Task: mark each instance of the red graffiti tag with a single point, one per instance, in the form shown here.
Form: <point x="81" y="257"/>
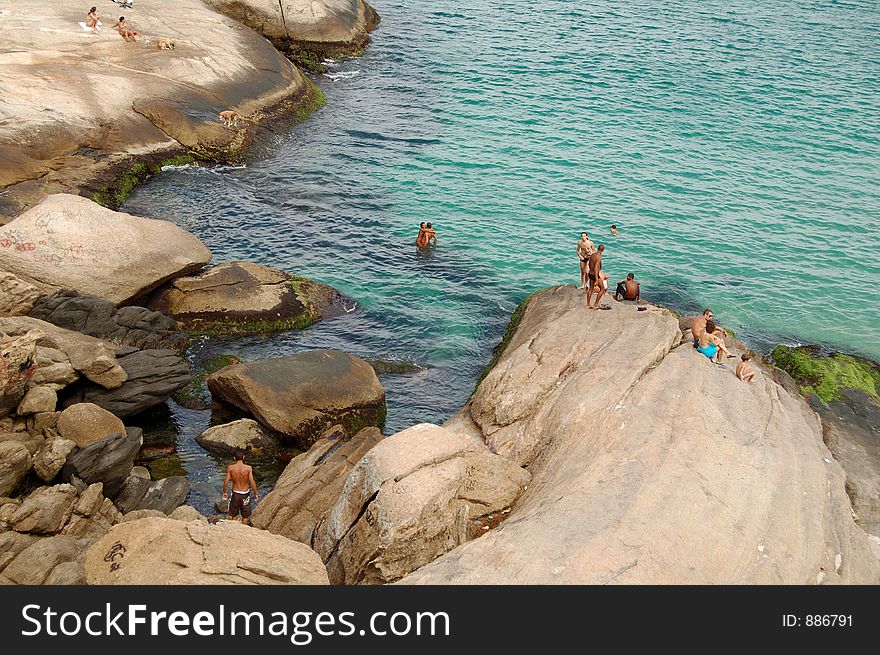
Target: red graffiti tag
<point x="5" y="243"/>
<point x="23" y="247"/>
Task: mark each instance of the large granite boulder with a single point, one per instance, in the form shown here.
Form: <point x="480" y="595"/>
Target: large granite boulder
<point x="311" y="484"/>
<point x="85" y="355"/>
<point x="74" y="243"/>
<point x="153" y="376"/>
<point x="241" y="297"/>
<point x="86" y="423"/>
<point x="411" y="498"/>
<point x="75" y="98"/>
<point x="302" y="395"/>
<point x="17" y="366"/>
<point x="852" y="431"/>
<point x="16" y="296"/>
<point x="650" y="464"/>
<point x="133" y="326"/>
<point x="109" y="460"/>
<point x="15" y="462"/>
<point x="243" y="435"/>
<point x="165" y="551"/>
<point x="328" y="26"/>
<point x="37" y="400"/>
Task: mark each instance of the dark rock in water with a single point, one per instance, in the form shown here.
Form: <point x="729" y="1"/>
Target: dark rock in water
<point x="153" y="376"/>
<point x="109" y="460"/>
<point x="851" y="428"/>
<point x="127" y="326"/>
<point x="196" y="395"/>
<point x="164" y="495"/>
<point x="302" y="395"/>
<point x="386" y="367"/>
<point x="151" y="452"/>
<point x="247" y="298"/>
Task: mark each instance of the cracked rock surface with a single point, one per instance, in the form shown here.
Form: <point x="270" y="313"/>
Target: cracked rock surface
<point x="650" y="464"/>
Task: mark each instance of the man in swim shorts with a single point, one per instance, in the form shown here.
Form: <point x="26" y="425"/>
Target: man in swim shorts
<point x="699" y="324"/>
<point x="594" y="278"/>
<point x="585" y="248"/>
<point x="242" y="477"/>
<point x="629" y="289"/>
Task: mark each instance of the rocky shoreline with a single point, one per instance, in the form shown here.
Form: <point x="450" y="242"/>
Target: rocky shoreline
<point x="597" y="447"/>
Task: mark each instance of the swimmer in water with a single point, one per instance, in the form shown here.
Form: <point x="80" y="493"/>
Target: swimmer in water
<point x="614" y="230"/>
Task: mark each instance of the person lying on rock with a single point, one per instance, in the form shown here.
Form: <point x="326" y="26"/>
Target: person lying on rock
<point x="743" y="371"/>
<point x="628" y="289"/>
<point x="242" y="477"/>
<point x="124" y="32"/>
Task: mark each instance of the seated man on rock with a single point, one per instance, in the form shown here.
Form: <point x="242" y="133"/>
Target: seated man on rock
<point x="699" y="325"/>
<point x="628" y="289"/>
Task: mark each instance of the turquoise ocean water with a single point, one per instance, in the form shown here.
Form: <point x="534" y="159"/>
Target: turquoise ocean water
<point x="735" y="144"/>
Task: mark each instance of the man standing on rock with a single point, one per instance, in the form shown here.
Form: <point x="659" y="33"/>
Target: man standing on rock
<point x="595" y="279"/>
<point x="242" y="477"/>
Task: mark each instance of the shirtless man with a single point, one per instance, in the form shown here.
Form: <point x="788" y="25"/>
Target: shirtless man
<point x="585" y="248"/>
<point x="422" y="238"/>
<point x="743" y="371"/>
<point x="242" y="477"/>
<point x="430" y="234"/>
<point x="594" y="278"/>
<point x="699" y="325"/>
<point x="629" y="289"/>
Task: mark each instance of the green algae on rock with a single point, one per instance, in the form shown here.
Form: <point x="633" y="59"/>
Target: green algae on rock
<point x="195" y="395"/>
<point x="826" y="375"/>
<point x="498" y="351"/>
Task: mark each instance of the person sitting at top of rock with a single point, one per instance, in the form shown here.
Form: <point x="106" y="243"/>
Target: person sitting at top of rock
<point x="711" y="345"/>
<point x="124" y="32"/>
<point x="699" y="324"/>
<point x="743" y="371"/>
<point x="93" y="20"/>
<point x="242" y="477"/>
<point x="628" y="289"/>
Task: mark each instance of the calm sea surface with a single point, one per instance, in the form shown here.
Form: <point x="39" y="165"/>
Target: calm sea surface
<point x="735" y="144"/>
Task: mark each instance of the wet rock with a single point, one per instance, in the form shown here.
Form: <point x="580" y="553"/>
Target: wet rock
<point x="242" y="297"/>
<point x="165" y="551"/>
<point x="133" y="326"/>
<point x="311" y="484"/>
<point x="302" y="395"/>
<point x="109" y="460"/>
<point x="244" y="435"/>
<point x="411" y="498"/>
<point x="15" y="462"/>
<point x="152" y="377"/>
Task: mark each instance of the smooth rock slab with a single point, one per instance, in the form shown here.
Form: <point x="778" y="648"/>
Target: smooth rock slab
<point x="165" y="551"/>
<point x="302" y="395"/>
<point x="410" y="499"/>
<point x="70" y="242"/>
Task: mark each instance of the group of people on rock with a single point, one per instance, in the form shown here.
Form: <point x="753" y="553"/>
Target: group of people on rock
<point x="594" y="279"/>
<point x="709" y="341"/>
<point x="93" y="22"/>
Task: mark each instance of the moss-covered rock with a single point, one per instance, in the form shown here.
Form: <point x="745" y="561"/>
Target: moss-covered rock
<point x="196" y="395"/>
<point x="826" y="375"/>
<point x="114" y="193"/>
<point x="515" y="318"/>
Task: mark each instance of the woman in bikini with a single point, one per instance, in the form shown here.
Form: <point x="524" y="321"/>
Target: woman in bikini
<point x="93" y="20"/>
<point x="124" y="32"/>
<point x="711" y="345"/>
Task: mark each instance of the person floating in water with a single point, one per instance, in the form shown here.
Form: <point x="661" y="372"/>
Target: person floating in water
<point x="585" y="248"/>
<point x="743" y="371"/>
<point x="628" y="289"/>
<point x="595" y="279"/>
<point x="242" y="477"/>
<point x="614" y="230"/>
